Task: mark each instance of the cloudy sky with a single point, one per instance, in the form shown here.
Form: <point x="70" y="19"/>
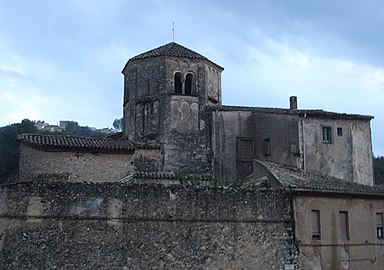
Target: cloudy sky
<point x="61" y="60"/>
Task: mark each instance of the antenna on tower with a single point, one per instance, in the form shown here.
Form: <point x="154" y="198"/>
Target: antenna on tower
<point x="173" y="31"/>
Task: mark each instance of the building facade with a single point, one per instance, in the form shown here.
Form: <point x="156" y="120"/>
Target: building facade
<point x="307" y="199"/>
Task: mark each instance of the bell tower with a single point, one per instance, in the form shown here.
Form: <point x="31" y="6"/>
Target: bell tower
<point x="168" y="94"/>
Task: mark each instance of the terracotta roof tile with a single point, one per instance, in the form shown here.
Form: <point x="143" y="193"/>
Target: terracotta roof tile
<point x="299" y="180"/>
<point x="78" y="143"/>
<point x="307" y="113"/>
<point x="172" y="50"/>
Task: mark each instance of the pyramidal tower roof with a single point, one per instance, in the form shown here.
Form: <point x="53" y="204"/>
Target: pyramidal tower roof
<point x="170" y="49"/>
<point x="173" y="50"/>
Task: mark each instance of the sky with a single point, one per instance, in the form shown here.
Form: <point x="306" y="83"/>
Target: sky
<point x="62" y="60"/>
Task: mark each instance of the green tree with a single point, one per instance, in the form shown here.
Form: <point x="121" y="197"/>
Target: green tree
<point x="118" y="124"/>
<point x="378" y="167"/>
<point x="72" y="127"/>
<point x="9" y="147"/>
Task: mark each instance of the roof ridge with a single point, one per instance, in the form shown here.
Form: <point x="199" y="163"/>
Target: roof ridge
<point x="76" y="142"/>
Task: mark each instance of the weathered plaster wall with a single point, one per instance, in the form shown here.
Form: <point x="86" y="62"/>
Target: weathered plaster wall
<point x="348" y="157"/>
<point x="362" y="251"/>
<point x="282" y="131"/>
<point x="72" y="166"/>
<point x="117" y="226"/>
<point x="362" y="152"/>
<point x="227" y="126"/>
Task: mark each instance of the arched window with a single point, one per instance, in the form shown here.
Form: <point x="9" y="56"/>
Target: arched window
<point x="178" y="84"/>
<point x="188" y="84"/>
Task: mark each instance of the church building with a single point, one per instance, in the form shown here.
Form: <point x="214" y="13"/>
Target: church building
<point x="174" y="121"/>
<point x="306" y="176"/>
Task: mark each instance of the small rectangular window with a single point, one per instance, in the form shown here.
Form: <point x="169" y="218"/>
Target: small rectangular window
<point x="267" y="147"/>
<point x="379" y="225"/>
<point x="315" y="224"/>
<point x="344" y="225"/>
<point x="327" y="135"/>
<point x="339" y="131"/>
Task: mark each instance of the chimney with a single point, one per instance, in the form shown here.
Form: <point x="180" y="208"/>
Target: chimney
<point x="293" y="103"/>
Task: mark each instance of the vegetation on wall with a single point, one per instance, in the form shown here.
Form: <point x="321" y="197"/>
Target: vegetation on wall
<point x="9" y="147"/>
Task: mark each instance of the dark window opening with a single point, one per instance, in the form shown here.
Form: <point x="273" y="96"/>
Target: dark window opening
<point x="267" y="147"/>
<point x="245" y="155"/>
<point x="339" y="131"/>
<point x="379" y="225"/>
<point x="344" y="225"/>
<point x="315" y="224"/>
<point x="178" y="84"/>
<point x="188" y="84"/>
<point x="327" y="135"/>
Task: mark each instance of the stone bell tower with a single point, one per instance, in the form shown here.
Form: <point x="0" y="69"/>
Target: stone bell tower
<point x="168" y="94"/>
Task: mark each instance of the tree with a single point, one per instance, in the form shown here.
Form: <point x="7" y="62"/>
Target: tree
<point x="118" y="124"/>
<point x="72" y="127"/>
<point x="378" y="167"/>
<point x="9" y="147"/>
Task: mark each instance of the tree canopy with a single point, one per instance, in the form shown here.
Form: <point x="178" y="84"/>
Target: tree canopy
<point x="118" y="124"/>
<point x="9" y="148"/>
<point x="378" y="165"/>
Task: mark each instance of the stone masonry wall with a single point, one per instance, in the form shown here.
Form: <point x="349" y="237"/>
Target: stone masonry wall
<point x="71" y="166"/>
<point x="120" y="226"/>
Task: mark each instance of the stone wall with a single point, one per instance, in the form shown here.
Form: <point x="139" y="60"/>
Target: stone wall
<point x="119" y="226"/>
<point x="73" y="166"/>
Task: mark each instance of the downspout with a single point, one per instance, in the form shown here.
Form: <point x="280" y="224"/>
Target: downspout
<point x="295" y="243"/>
<point x="303" y="142"/>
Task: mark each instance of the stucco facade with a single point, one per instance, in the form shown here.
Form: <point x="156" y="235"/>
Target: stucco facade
<point x="361" y="250"/>
<point x="338" y="224"/>
<point x="241" y="134"/>
<point x="347" y="155"/>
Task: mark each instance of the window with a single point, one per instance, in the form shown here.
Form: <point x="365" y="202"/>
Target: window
<point x="245" y="149"/>
<point x="178" y="84"/>
<point x="315" y="224"/>
<point x="188" y="84"/>
<point x="379" y="225"/>
<point x="267" y="147"/>
<point x="339" y="131"/>
<point x="344" y="225"/>
<point x="184" y="87"/>
<point x="327" y="135"/>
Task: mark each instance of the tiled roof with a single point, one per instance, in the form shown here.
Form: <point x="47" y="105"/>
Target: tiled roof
<point x="171" y="49"/>
<point x="325" y="114"/>
<point x="307" y="113"/>
<point x="255" y="109"/>
<point x="299" y="180"/>
<point x="78" y="143"/>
